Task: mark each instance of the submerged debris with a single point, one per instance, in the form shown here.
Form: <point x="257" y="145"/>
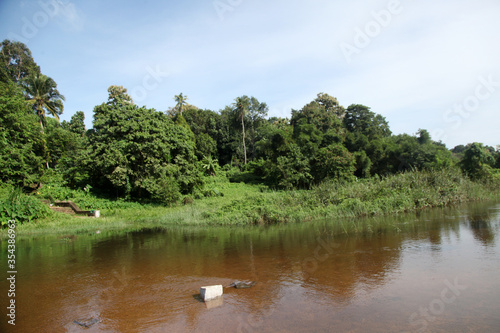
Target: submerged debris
<point x="242" y="284"/>
<point x="87" y="323"/>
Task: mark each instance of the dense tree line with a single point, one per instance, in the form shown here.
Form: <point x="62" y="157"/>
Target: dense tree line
<point x="138" y="153"/>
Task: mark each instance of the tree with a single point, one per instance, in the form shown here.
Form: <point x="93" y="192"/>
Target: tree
<point x="330" y="104"/>
<point x="61" y="143"/>
<point x="22" y="147"/>
<point x="16" y="62"/>
<point x="141" y="153"/>
<point x="209" y="164"/>
<point x="291" y="170"/>
<point x="424" y="136"/>
<point x="73" y="163"/>
<point x="404" y="152"/>
<point x="359" y="119"/>
<point x="181" y="101"/>
<point x="322" y="115"/>
<point x="242" y="105"/>
<point x="367" y="137"/>
<point x="77" y="123"/>
<point x="206" y="126"/>
<point x="318" y="124"/>
<point x="118" y="96"/>
<point x="497" y="157"/>
<point x="241" y="119"/>
<point x="333" y="162"/>
<point x="477" y="161"/>
<point x="41" y="92"/>
<point x="272" y="138"/>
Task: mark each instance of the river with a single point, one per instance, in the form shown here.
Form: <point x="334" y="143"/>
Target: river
<point x="435" y="271"/>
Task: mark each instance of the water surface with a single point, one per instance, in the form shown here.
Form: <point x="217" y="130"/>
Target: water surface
<point x="436" y="271"/>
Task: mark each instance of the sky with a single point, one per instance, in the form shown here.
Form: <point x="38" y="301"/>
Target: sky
<point x="428" y="64"/>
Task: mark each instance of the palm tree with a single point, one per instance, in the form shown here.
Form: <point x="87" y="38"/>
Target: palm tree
<point x="242" y="105"/>
<point x="41" y="91"/>
<point x="208" y="163"/>
<point x="181" y="101"/>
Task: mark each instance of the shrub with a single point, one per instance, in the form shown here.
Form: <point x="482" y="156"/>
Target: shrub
<point x="21" y="208"/>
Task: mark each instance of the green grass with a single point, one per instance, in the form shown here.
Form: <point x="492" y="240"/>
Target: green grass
<point x="244" y="204"/>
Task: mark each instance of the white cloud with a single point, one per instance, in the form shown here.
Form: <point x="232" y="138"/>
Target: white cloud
<point x="71" y="17"/>
<point x="285" y="52"/>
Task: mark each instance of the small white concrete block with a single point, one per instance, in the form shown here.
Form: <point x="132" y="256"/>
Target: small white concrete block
<point x="97" y="213"/>
<point x="210" y="292"/>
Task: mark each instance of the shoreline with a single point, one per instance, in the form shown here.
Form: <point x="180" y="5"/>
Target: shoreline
<point x="248" y="205"/>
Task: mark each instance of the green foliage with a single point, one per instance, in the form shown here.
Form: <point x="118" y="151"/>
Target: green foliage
<point x="209" y="165"/>
<point x="363" y="164"/>
<point x="136" y="153"/>
<point x="41" y="92"/>
<point x="16" y="62"/>
<point x="76" y="124"/>
<point x="206" y="127"/>
<point x="60" y="142"/>
<point x="205" y="146"/>
<point x="273" y="137"/>
<point x="359" y="119"/>
<point x="22" y="145"/>
<point x="21" y="208"/>
<point x="404" y="152"/>
<point x="241" y="122"/>
<point x="181" y="101"/>
<point x="140" y="153"/>
<point x="477" y="161"/>
<point x="117" y="95"/>
<point x="70" y="150"/>
<point x="323" y="114"/>
<point x="291" y="170"/>
<point x="333" y="162"/>
<point x="53" y="189"/>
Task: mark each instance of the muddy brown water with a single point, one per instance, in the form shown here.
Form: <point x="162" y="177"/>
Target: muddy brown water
<point x="437" y="271"/>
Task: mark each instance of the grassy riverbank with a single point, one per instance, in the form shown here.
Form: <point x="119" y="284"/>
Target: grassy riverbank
<point x="244" y="204"/>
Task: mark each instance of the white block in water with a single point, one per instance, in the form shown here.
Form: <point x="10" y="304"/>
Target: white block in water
<point x="210" y="292"/>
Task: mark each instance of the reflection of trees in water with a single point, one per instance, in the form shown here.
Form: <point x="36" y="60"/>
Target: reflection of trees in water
<point x="359" y="262"/>
<point x="482" y="228"/>
<point x="149" y="278"/>
<point x="484" y="222"/>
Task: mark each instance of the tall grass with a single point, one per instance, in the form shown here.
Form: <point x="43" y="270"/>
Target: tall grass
<point x="399" y="193"/>
<point x="243" y="204"/>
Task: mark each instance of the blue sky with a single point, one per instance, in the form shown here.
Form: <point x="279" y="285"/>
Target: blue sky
<point x="431" y="64"/>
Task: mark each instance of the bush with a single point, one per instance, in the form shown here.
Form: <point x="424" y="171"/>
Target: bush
<point x="21" y="208"/>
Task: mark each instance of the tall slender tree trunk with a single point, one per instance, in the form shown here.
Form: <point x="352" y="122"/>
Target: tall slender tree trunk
<point x="43" y="132"/>
<point x="244" y="145"/>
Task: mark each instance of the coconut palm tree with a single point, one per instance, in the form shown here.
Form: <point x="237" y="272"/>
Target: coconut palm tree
<point x="181" y="101"/>
<point x="242" y="106"/>
<point x="41" y="91"/>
